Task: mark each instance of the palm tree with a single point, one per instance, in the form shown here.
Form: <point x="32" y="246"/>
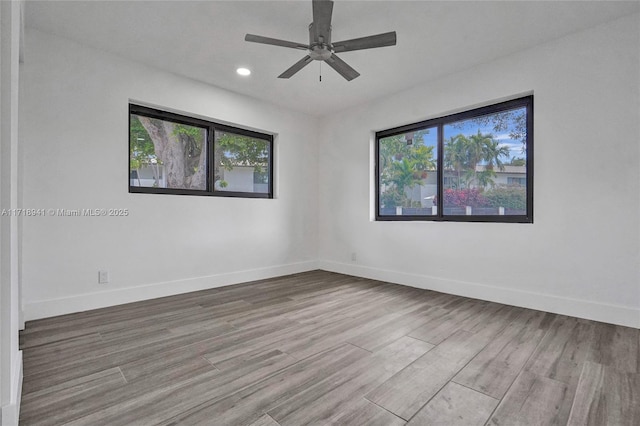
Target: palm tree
<point x="404" y="174"/>
<point x="403" y="166"/>
<point x="466" y="153"/>
<point x="476" y="153"/>
<point x="493" y="152"/>
<point x="518" y="161"/>
<point x="455" y="155"/>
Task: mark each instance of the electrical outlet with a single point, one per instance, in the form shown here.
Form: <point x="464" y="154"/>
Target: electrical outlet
<point x="353" y="256"/>
<point x="103" y="277"/>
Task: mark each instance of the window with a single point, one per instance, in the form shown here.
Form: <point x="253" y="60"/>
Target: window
<point x="474" y="166"/>
<point x="238" y="158"/>
<point x="408" y="178"/>
<point x="175" y="154"/>
<point x="516" y="181"/>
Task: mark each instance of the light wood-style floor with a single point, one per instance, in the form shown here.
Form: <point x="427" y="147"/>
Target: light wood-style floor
<point x="323" y="348"/>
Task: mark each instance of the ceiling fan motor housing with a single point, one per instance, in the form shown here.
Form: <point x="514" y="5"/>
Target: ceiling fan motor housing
<point x="319" y="44"/>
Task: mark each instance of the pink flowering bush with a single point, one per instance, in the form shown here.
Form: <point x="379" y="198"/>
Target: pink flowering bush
<point x="464" y="197"/>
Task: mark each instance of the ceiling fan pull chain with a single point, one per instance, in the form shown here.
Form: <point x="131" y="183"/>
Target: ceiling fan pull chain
<point x="320" y="71"/>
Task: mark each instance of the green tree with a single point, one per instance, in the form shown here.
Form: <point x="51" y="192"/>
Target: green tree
<point x="455" y="156"/>
<point x="403" y="166"/>
<point x="141" y="149"/>
<point x="518" y="161"/>
<point x="476" y="152"/>
<point x="405" y="174"/>
<point x="181" y="150"/>
<point x="513" y="121"/>
<point x="234" y="150"/>
<point x="465" y="154"/>
<point x="510" y="197"/>
<point x="493" y="153"/>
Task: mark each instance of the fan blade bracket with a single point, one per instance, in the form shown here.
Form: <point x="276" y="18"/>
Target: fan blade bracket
<point x="318" y="37"/>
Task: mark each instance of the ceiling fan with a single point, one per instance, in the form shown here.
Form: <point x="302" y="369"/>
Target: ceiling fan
<point x="320" y="47"/>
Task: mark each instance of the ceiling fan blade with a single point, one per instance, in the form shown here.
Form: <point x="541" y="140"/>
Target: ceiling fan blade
<point x="342" y="67"/>
<point x="296" y="67"/>
<point x="322" y="10"/>
<point x="275" y="42"/>
<point x="378" y="40"/>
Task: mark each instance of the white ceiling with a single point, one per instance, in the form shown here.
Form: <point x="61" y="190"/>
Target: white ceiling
<point x="205" y="40"/>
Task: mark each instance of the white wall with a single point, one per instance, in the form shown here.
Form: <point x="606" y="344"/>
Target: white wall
<point x="74" y="112"/>
<point x="10" y="356"/>
<point x="575" y="259"/>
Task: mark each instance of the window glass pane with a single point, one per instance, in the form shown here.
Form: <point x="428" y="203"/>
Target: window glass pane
<point x="485" y="165"/>
<point x="241" y="163"/>
<point x="165" y="154"/>
<point x="408" y="173"/>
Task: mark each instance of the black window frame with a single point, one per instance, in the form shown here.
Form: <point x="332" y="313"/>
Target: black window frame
<point x="440" y="122"/>
<point x="211" y="128"/>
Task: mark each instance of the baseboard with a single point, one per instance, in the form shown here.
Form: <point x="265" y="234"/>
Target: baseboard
<point x="84" y="302"/>
<point x="11" y="411"/>
<point x="613" y="314"/>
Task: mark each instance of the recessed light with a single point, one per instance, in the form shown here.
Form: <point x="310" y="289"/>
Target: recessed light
<point x="243" y="71"/>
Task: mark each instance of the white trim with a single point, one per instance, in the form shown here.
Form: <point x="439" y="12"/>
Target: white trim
<point x="11" y="411"/>
<point x="613" y="314"/>
<point x="83" y="302"/>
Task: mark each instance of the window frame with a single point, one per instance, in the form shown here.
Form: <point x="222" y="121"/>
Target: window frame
<point x="439" y="123"/>
<point x="211" y="128"/>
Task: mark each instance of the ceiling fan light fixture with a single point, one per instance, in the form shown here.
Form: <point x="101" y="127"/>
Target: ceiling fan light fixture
<point x="243" y="71"/>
